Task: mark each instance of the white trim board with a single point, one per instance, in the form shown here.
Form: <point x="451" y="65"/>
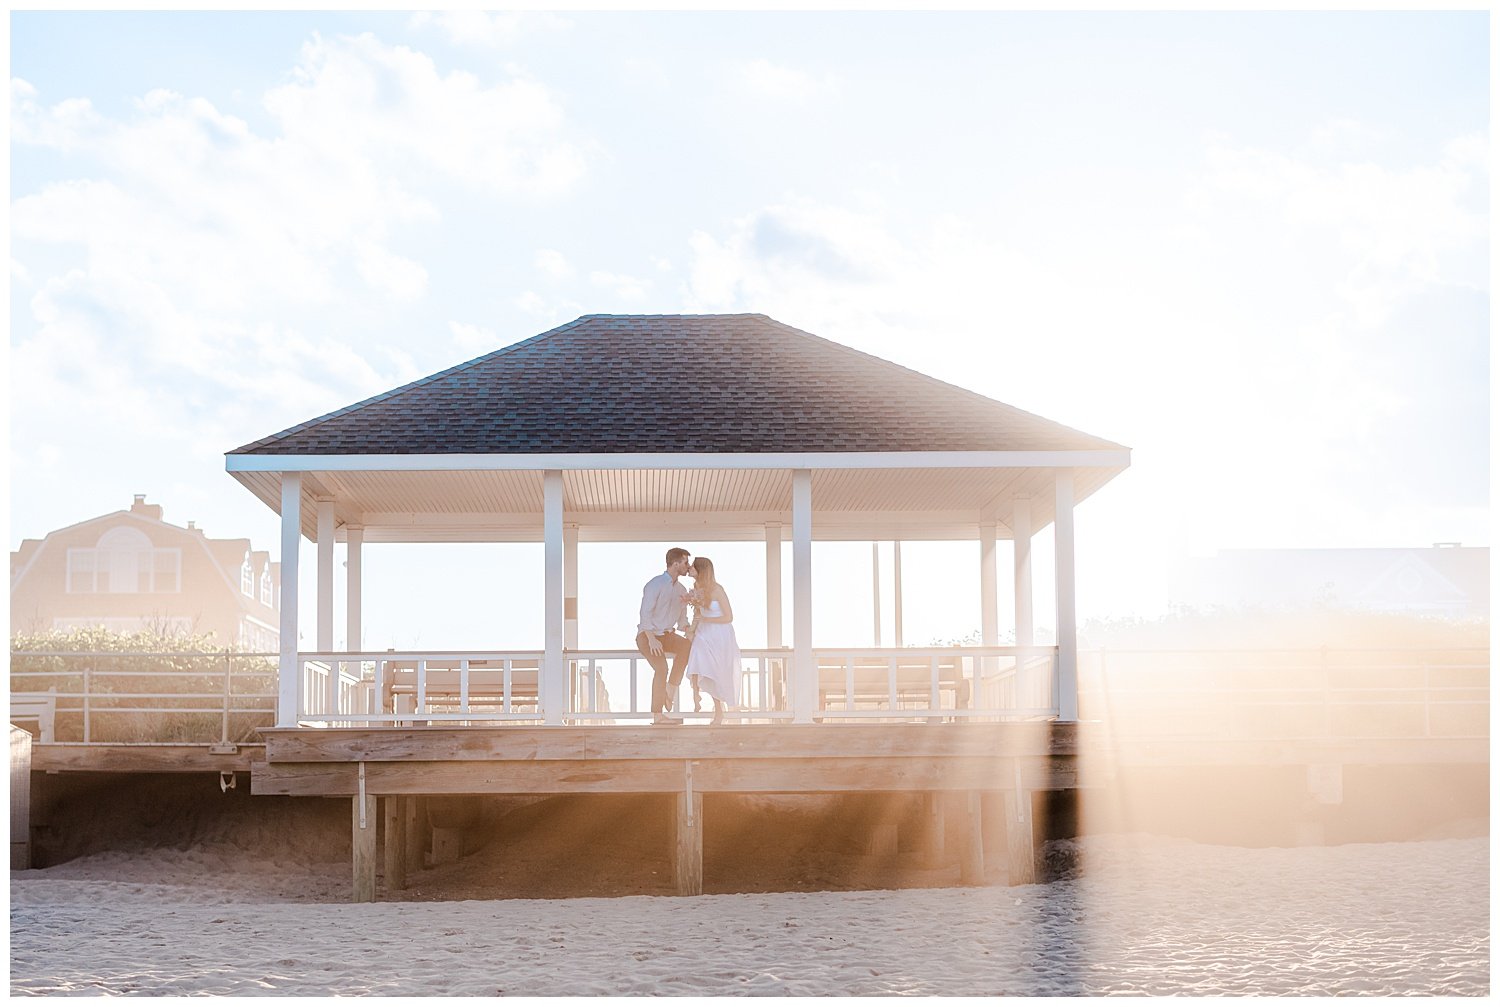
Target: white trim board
<point x="812" y="460"/>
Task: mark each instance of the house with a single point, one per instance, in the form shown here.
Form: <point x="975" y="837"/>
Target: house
<point x="130" y="570"/>
<point x="1447" y="580"/>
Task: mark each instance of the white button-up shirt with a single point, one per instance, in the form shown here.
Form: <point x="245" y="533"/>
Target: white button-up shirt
<point x="663" y="605"/>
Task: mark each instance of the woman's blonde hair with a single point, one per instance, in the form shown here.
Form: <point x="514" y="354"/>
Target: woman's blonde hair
<point x="703" y="577"/>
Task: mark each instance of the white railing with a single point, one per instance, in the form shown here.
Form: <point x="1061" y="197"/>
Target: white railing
<point x="1288" y="694"/>
<point x="194" y="698"/>
<point x="149" y="698"/>
<point x="957" y="683"/>
<point x="614" y="686"/>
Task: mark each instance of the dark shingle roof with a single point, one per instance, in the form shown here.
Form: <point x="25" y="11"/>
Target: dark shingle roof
<point x="611" y="384"/>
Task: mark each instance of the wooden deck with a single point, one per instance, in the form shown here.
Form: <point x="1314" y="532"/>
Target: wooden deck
<point x="385" y="771"/>
<point x="780" y="758"/>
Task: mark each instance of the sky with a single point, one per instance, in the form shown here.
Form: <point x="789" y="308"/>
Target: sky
<point x="1251" y="247"/>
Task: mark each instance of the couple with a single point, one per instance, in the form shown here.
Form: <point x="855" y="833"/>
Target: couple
<point x="709" y="653"/>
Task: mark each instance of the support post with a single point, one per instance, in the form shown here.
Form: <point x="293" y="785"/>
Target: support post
<point x="933" y="828"/>
<point x="413" y="817"/>
<point x="989" y="608"/>
<point x="570" y="587"/>
<point x="289" y="672"/>
<point x="1020" y="525"/>
<point x="554" y="672"/>
<point x="395" y="843"/>
<point x="1067" y="621"/>
<point x="773" y="585"/>
<point x="354" y="536"/>
<point x="896" y="616"/>
<point x="354" y="586"/>
<point x="687" y="853"/>
<point x="989" y="588"/>
<point x="1020" y="838"/>
<point x="364" y="844"/>
<point x="804" y="676"/>
<point x="325" y="574"/>
<point x="875" y="586"/>
<point x="971" y="864"/>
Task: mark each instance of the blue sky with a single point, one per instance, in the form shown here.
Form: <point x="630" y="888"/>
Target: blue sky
<point x="1253" y="247"/>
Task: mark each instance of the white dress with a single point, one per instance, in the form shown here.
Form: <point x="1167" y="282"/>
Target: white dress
<point x="715" y="657"/>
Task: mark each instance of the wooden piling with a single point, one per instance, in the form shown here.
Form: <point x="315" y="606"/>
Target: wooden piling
<point x="933" y="829"/>
<point x="971" y="862"/>
<point x="413" y="821"/>
<point x="395" y="842"/>
<point x="20" y="799"/>
<point x="1020" y="838"/>
<point x="364" y="847"/>
<point x="687" y="858"/>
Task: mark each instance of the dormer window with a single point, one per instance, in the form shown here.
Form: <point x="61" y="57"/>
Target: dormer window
<point x="267" y="594"/>
<point x="247" y="577"/>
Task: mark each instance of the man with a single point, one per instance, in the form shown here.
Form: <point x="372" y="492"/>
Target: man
<point x="663" y="610"/>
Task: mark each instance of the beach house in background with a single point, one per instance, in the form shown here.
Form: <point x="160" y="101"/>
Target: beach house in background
<point x="130" y="570"/>
<point x="1447" y="580"/>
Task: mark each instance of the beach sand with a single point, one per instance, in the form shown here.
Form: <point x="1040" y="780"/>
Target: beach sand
<point x="252" y="906"/>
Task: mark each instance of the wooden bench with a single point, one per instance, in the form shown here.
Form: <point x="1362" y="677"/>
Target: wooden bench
<point x="443" y="685"/>
<point x="872" y="682"/>
<point x="38" y="706"/>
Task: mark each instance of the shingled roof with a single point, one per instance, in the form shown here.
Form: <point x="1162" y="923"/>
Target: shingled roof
<point x="696" y="384"/>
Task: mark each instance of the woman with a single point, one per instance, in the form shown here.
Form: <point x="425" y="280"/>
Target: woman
<point x="714" y="663"/>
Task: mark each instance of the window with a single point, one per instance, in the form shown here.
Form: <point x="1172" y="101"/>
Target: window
<point x="267" y="594"/>
<point x="124" y="562"/>
<point x="81" y="572"/>
<point x="166" y="571"/>
<point x="247" y="577"/>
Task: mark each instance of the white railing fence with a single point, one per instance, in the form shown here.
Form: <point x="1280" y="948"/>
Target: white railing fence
<point x="1288" y="694"/>
<point x="185" y="698"/>
<point x="614" y="686"/>
<point x="147" y="698"/>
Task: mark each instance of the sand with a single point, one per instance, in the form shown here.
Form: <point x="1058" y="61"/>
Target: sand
<point x="1128" y="914"/>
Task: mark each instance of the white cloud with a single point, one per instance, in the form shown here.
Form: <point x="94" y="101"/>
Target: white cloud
<point x="1255" y="346"/>
<point x="554" y="264"/>
<point x="628" y="288"/>
<point x="390" y="274"/>
<point x="357" y="99"/>
<point x="489" y="29"/>
<point x="473" y="338"/>
<point x="772" y="80"/>
<point x="199" y="282"/>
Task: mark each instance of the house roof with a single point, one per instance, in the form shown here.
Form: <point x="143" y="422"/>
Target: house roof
<point x="692" y="384"/>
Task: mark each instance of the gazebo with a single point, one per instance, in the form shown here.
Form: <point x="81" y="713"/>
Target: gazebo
<point x="576" y="436"/>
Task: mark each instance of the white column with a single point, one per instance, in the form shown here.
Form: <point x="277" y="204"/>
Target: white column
<point x="989" y="589"/>
<point x="773" y="585"/>
<point x="291" y="537"/>
<point x="570" y="587"/>
<point x="325" y="574"/>
<point x="354" y="589"/>
<point x="554" y="673"/>
<point x="1067" y="622"/>
<point x="804" y="675"/>
<point x="1020" y="525"/>
<point x="896" y="595"/>
<point x="875" y="581"/>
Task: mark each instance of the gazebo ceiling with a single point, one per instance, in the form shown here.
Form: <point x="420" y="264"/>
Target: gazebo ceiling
<point x="675" y="426"/>
<point x="647" y="504"/>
